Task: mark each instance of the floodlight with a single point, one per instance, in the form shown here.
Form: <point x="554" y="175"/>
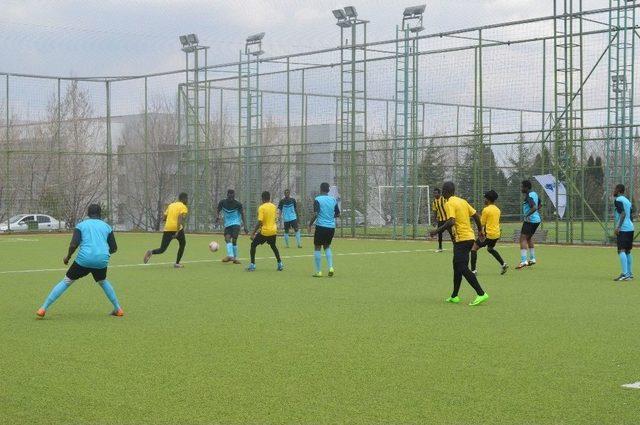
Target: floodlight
<point x="350" y="11"/>
<point x="414" y="10"/>
<point x="192" y="38"/>
<point x="339" y="14"/>
<point x="184" y="41"/>
<point x="255" y="38"/>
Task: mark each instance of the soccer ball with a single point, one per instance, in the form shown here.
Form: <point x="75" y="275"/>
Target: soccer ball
<point x="213" y="246"/>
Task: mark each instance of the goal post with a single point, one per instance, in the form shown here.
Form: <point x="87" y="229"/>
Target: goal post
<point x="393" y="201"/>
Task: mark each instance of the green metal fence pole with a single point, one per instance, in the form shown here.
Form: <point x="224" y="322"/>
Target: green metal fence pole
<point x="288" y="125"/>
<point x="364" y="137"/>
<point x="146" y="155"/>
<point x="7" y="150"/>
<point x="352" y="161"/>
<point x="544" y="92"/>
<point x="109" y="156"/>
<point x="59" y="152"/>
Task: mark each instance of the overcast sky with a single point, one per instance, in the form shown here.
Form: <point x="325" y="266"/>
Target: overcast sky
<point x="116" y="37"/>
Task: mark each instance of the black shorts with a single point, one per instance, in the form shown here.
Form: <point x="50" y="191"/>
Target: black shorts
<point x="76" y="271"/>
<point x="293" y="224"/>
<point x="491" y="243"/>
<point x="260" y="239"/>
<point x="232" y="231"/>
<point x="323" y="236"/>
<point x="529" y="229"/>
<point x="461" y="252"/>
<point x="625" y="240"/>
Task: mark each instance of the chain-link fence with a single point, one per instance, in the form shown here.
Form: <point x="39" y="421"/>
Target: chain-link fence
<point x="383" y="122"/>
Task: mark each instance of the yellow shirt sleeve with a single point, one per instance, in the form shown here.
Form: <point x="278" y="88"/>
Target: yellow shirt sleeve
<point x="451" y="212"/>
<point x="185" y="210"/>
<point x="261" y="214"/>
<point x="471" y="210"/>
<point x="483" y="218"/>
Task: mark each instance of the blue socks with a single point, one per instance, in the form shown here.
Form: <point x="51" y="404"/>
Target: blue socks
<point x="298" y="239"/>
<point x="317" y="257"/>
<point x="523" y="255"/>
<point x="286" y="240"/>
<point x="55" y="293"/>
<point x="110" y="293"/>
<point x="230" y="250"/>
<point x="624" y="263"/>
<point x="235" y="251"/>
<point x="532" y="254"/>
<point x="629" y="264"/>
<point x="329" y="255"/>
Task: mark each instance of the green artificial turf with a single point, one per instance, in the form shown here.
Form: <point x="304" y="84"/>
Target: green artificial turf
<point x="212" y="343"/>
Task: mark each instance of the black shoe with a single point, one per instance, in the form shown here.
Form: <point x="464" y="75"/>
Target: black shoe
<point x="505" y="267"/>
<point x="621" y="278"/>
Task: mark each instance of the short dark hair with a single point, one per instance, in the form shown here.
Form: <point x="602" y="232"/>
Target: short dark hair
<point x="491" y="195"/>
<point x="230" y="192"/>
<point x="436" y="190"/>
<point x="620" y="188"/>
<point x="94" y="210"/>
<point x="526" y="184"/>
<point x="449" y="187"/>
<point x="324" y="187"/>
<point x="183" y="197"/>
<point x="266" y="196"/>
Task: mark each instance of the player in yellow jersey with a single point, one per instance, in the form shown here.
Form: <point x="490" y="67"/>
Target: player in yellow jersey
<point x="490" y="221"/>
<point x="439" y="215"/>
<point x="174" y="217"/>
<point x="265" y="231"/>
<point x="459" y="214"/>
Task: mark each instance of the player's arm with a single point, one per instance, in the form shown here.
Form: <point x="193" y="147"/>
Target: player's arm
<point x="623" y="215"/>
<point x="218" y="214"/>
<point x="476" y="218"/>
<point x="111" y="241"/>
<point x="434" y="211"/>
<point x="244" y="221"/>
<point x="447" y="225"/>
<point x="533" y="207"/>
<point x="181" y="222"/>
<point x="336" y="211"/>
<point x="73" y="245"/>
<point x="314" y="216"/>
<point x="255" y="229"/>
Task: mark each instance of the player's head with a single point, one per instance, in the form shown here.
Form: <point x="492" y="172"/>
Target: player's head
<point x="619" y="190"/>
<point x="183" y="197"/>
<point x="490" y="197"/>
<point x="266" y="196"/>
<point x="448" y="189"/>
<point x="231" y="194"/>
<point x="287" y="192"/>
<point x="94" y="211"/>
<point x="526" y="186"/>
<point x="436" y="193"/>
<point x="324" y="187"/>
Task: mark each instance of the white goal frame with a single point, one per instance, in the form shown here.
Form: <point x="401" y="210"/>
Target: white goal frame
<point x="409" y="188"/>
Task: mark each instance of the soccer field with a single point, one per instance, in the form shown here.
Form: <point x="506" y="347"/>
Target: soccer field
<point x="211" y="343"/>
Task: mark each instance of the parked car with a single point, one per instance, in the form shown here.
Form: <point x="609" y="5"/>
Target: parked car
<point x="345" y="216"/>
<point x="24" y="222"/>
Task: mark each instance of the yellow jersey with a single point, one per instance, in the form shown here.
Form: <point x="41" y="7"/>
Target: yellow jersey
<point x="438" y="206"/>
<point x="267" y="216"/>
<point x="490" y="220"/>
<point x="461" y="212"/>
<point x="174" y="210"/>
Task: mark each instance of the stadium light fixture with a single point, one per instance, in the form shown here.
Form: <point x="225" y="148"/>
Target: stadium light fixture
<point x="343" y="19"/>
<point x="184" y="41"/>
<point x="189" y="42"/>
<point x="253" y="45"/>
<point x="412" y="18"/>
<point x="350" y="11"/>
<point x="339" y="14"/>
<point x="193" y="39"/>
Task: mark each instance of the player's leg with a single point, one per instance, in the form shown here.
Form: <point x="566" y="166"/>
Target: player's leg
<point x="474" y="255"/>
<point x="296" y="229"/>
<point x="74" y="273"/>
<point x="164" y="244"/>
<point x="182" y="241"/>
<point x="234" y="241"/>
<point x="622" y="255"/>
<point x="524" y="245"/>
<point x="327" y="249"/>
<point x="532" y="250"/>
<point x="440" y="238"/>
<point x="317" y="253"/>
<point x="491" y="249"/>
<point x="630" y="259"/>
<point x="100" y="276"/>
<point x="287" y="226"/>
<point x="271" y="241"/>
<point x="462" y="264"/>
<point x="258" y="240"/>
<point x="457" y="278"/>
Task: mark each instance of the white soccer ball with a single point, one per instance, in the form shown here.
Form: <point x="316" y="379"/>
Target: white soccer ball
<point x="213" y="246"/>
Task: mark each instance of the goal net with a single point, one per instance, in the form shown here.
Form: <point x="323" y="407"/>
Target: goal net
<point x="404" y="205"/>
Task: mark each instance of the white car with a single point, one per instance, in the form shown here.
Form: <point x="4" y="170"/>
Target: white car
<point x="24" y="222"/>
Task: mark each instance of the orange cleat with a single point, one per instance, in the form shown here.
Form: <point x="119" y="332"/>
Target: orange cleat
<point x="227" y="259"/>
<point x="117" y="313"/>
<point x="236" y="261"/>
<point x="40" y="313"/>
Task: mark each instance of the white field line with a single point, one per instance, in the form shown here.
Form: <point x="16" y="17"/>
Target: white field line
<point x="635" y="385"/>
<point x="405" y="251"/>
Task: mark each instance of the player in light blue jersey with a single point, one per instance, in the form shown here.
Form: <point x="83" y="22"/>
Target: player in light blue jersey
<point x="288" y="208"/>
<point x="233" y="215"/>
<point x="325" y="212"/>
<point x="624" y="232"/>
<point x="97" y="243"/>
<point x="532" y="219"/>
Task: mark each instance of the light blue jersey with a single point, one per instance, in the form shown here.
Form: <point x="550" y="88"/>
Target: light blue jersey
<point x="231" y="211"/>
<point x="287" y="207"/>
<point x="623" y="205"/>
<point x="94" y="248"/>
<point x="326" y="208"/>
<point x="535" y="217"/>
